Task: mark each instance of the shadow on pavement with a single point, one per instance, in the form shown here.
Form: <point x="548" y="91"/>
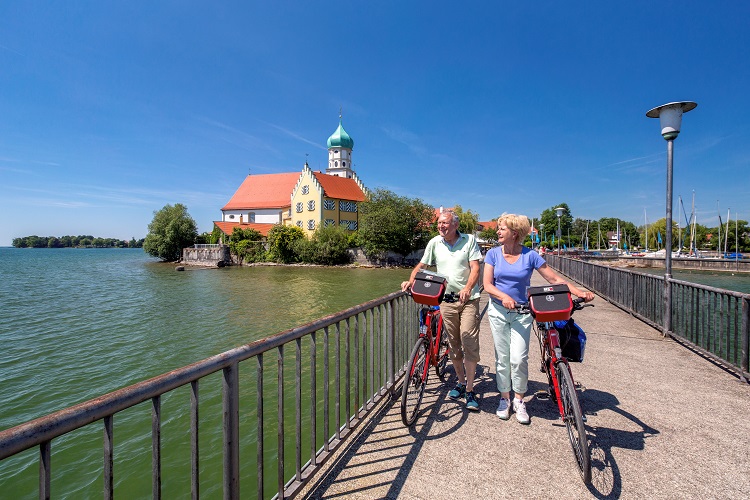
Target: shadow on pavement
<point x="606" y="481"/>
<point x="435" y="407"/>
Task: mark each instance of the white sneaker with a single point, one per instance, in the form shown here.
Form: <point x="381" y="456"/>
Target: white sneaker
<point x="519" y="407"/>
<point x="503" y="409"/>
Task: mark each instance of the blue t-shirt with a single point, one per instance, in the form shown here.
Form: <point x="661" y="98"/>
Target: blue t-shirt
<point x="513" y="279"/>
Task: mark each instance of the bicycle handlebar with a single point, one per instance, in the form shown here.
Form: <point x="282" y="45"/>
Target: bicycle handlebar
<point x="448" y="297"/>
<point x="578" y="304"/>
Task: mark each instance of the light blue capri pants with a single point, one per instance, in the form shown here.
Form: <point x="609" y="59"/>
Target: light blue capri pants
<point x="511" y="332"/>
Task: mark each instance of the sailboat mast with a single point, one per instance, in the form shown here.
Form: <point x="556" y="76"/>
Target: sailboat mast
<point x="726" y="233"/>
<point x="718" y="245"/>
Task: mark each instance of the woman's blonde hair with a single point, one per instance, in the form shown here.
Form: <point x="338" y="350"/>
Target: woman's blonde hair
<point x="518" y="223"/>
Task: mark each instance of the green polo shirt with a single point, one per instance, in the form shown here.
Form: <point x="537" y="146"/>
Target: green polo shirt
<point x="453" y="261"/>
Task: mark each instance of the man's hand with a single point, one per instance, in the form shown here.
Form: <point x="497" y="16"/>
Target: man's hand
<point x="464" y="295"/>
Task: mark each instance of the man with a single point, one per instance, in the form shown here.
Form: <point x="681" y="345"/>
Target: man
<point x="457" y="256"/>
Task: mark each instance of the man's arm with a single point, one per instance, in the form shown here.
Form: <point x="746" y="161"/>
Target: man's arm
<point x="465" y="293"/>
<point x="408" y="284"/>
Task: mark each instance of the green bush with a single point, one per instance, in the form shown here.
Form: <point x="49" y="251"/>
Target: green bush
<point x="281" y="242"/>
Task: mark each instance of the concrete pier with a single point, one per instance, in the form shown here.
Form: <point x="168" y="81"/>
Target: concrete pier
<point x="662" y="422"/>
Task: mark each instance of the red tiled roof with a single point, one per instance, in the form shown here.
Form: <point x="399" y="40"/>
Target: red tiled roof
<point x="489" y="224"/>
<point x="264" y="191"/>
<point x="228" y="227"/>
<point x="339" y="187"/>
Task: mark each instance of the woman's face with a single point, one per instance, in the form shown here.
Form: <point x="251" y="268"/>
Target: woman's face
<point x="506" y="235"/>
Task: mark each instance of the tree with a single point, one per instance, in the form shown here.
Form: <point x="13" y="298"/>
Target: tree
<point x="281" y="242"/>
<point x="171" y="230"/>
<point x="467" y="221"/>
<point x="489" y="234"/>
<point x="393" y="223"/>
<point x="328" y="246"/>
<point x="246" y="244"/>
<point x="549" y="219"/>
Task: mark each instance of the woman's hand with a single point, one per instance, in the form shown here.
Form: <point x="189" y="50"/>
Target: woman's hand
<point x="405" y="285"/>
<point x="508" y="302"/>
<point x="587" y="296"/>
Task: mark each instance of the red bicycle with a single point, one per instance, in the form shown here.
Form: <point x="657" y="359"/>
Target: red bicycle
<point x="431" y="349"/>
<point x="561" y="384"/>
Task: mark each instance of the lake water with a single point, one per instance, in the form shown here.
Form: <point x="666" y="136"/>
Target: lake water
<point x="78" y="323"/>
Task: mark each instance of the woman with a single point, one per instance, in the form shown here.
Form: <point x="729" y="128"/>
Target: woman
<point x="507" y="274"/>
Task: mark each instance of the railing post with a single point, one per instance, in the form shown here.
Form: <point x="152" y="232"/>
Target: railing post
<point x="745" y="334"/>
<point x="109" y="491"/>
<point x="231" y="397"/>
<point x="156" y="447"/>
<point x="391" y="348"/>
<point x="45" y="471"/>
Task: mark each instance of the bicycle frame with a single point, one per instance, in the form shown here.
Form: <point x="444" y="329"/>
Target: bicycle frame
<point x="549" y="341"/>
<point x="433" y="330"/>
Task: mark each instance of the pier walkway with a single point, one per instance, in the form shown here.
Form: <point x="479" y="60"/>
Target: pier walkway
<point x="663" y="422"/>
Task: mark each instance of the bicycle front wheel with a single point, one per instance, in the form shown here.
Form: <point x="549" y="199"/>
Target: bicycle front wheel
<point x="415" y="381"/>
<point x="574" y="421"/>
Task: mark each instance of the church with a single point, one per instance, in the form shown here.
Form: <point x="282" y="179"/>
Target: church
<point x="306" y="199"/>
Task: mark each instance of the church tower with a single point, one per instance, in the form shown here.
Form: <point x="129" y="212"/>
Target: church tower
<point x="340" y="147"/>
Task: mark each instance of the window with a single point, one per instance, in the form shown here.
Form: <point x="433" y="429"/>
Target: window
<point x="343" y="164"/>
<point x="336" y="164"/>
<point x="299" y="207"/>
<point x="299" y="223"/>
<point x="305" y="189"/>
<point x="347" y="206"/>
<point x="353" y="225"/>
<point x="290" y="211"/>
<point x="329" y="204"/>
<point x="311" y="224"/>
<point x="251" y="217"/>
<point x="311" y="205"/>
<point x="330" y="222"/>
<point x="231" y="216"/>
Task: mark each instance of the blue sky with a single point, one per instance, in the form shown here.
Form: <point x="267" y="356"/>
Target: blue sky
<point x="111" y="110"/>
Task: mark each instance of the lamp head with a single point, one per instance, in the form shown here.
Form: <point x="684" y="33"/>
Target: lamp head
<point x="560" y="211"/>
<point x="670" y="117"/>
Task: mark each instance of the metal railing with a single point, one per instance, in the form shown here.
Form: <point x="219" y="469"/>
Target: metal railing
<point x="363" y="353"/>
<point x="712" y="321"/>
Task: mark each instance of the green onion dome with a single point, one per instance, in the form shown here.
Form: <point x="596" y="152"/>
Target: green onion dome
<point x="340" y="139"/>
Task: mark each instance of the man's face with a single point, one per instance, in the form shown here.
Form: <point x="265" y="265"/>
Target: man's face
<point x="445" y="225"/>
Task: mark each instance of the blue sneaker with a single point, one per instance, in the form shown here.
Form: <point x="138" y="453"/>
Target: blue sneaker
<point x="457" y="392"/>
<point x="471" y="401"/>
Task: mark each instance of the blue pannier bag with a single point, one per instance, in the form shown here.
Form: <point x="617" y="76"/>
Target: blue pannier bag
<point x="572" y="340"/>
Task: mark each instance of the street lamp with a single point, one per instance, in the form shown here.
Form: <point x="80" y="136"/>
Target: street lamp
<point x="559" y="211"/>
<point x="670" y="119"/>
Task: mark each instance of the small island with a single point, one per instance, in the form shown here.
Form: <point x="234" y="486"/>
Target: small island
<point x="84" y="241"/>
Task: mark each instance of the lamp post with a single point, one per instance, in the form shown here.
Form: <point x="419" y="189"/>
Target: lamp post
<point x="670" y="119"/>
<point x="559" y="211"/>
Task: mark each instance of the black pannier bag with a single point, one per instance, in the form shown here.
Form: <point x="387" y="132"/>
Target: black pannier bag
<point x="572" y="340"/>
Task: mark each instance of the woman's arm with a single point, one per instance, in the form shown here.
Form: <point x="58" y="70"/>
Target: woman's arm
<point x="553" y="278"/>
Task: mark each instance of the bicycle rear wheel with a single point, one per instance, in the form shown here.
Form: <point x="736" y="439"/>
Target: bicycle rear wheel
<point x="574" y="421"/>
<point x="415" y="381"/>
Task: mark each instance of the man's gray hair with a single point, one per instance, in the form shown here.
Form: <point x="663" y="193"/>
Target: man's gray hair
<point x="454" y="216"/>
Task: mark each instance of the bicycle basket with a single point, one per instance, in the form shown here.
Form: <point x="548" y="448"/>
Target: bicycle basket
<point x="550" y="303"/>
<point x="428" y="289"/>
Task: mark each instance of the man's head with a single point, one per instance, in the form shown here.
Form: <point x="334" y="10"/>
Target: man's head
<point x="447" y="224"/>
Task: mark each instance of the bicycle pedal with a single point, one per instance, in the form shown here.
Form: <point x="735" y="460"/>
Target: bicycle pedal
<point x="542" y="395"/>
